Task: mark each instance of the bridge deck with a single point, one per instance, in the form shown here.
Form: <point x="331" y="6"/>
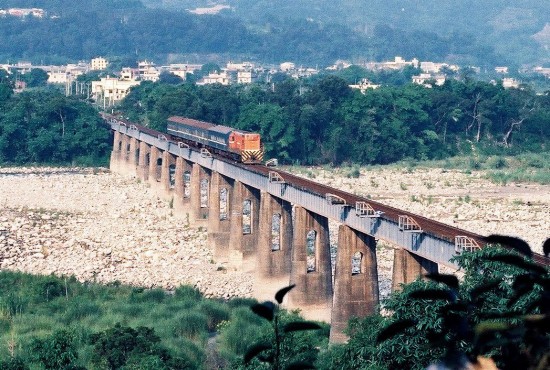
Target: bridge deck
<point x="434" y="241"/>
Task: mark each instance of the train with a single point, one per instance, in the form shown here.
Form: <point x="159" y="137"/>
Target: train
<point x="241" y="146"/>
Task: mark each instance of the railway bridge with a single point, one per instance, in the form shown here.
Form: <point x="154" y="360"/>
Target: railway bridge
<point x="276" y="225"/>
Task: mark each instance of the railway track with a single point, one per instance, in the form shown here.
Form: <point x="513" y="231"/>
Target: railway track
<point x="435" y="228"/>
<point x="429" y="226"/>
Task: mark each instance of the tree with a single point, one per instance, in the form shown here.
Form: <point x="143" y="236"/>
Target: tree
<point x="499" y="310"/>
<point x="169" y="78"/>
<point x="268" y="120"/>
<point x="281" y="350"/>
<point x="57" y="351"/>
<point x="35" y="78"/>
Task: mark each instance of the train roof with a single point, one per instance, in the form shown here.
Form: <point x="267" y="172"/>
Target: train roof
<point x="206" y="125"/>
<point x="222" y="129"/>
<point x="192" y="122"/>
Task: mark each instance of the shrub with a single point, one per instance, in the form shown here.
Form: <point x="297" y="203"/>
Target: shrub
<point x="186" y="292"/>
<point x="215" y="313"/>
<point x="191" y="325"/>
<point x="14" y="363"/>
<point x="498" y="163"/>
<point x="57" y="351"/>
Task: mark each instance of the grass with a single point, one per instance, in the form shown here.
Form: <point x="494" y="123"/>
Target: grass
<point x="34" y="307"/>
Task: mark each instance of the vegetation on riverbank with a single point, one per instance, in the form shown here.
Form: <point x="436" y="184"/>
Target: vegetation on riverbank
<point x="48" y="322"/>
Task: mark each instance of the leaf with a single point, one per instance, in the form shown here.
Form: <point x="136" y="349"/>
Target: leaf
<point x="509" y="241"/>
<point x="543" y="303"/>
<point x="517" y="261"/>
<point x="438" y="294"/>
<point x="538" y="322"/>
<point x="281" y="293"/>
<point x="491" y="327"/>
<point x="546" y="247"/>
<point x="255" y="350"/>
<point x="265" y="310"/>
<point x="394" y="328"/>
<point x="450" y="280"/>
<point x="484" y="288"/>
<point x="300" y="326"/>
<point x="299" y="365"/>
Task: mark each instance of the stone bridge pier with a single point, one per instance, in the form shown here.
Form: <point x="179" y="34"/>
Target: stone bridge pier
<point x="278" y="242"/>
<point x="311" y="266"/>
<point x="274" y="246"/>
<point x="355" y="280"/>
<point x="407" y="267"/>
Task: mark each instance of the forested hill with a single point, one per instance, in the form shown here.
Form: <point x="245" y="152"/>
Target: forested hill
<point x="166" y="32"/>
<point x="515" y="29"/>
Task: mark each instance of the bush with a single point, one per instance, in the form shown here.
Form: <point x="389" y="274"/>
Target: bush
<point x="191" y="325"/>
<point x="498" y="163"/>
<point x="147" y="295"/>
<point x="186" y="292"/>
<point x="14" y="363"/>
<point x="57" y="351"/>
<point x="215" y="313"/>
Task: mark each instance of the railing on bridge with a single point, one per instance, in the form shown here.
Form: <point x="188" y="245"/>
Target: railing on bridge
<point x="407" y="223"/>
<point x="465" y="243"/>
<point x="363" y="209"/>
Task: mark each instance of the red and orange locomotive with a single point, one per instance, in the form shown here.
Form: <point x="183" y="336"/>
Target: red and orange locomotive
<point x="243" y="146"/>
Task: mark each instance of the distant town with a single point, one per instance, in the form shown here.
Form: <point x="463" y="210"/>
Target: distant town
<point x="111" y="90"/>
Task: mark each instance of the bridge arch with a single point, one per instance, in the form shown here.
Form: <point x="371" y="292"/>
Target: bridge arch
<point x="311" y="250"/>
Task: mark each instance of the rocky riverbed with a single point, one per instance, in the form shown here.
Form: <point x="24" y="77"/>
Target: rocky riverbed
<point x="103" y="227"/>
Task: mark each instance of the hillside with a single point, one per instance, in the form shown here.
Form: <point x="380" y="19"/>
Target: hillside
<point x="305" y="32"/>
<point x="514" y="29"/>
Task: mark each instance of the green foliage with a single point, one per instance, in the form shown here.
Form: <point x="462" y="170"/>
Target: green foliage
<point x="283" y="349"/>
<point x="13" y="363"/>
<point x="322" y="121"/>
<point x="47" y="127"/>
<point x="58" y="351"/>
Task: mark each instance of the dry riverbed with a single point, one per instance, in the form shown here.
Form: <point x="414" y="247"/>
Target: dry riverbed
<point x="104" y="227"/>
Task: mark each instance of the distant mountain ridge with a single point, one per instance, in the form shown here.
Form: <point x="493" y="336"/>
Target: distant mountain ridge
<point x="468" y="32"/>
<point x="512" y="28"/>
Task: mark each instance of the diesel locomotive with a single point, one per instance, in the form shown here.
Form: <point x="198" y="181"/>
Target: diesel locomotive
<point x="242" y="146"/>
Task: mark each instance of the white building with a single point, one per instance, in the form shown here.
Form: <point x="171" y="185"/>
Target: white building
<point x="424" y="79"/>
<point x="364" y="85"/>
<point x="244" y="66"/>
<point x="181" y="70"/>
<point x="148" y="71"/>
<point x="287" y="66"/>
<point x="508" y="83"/>
<point x="110" y="91"/>
<point x="216" y="78"/>
<point x="99" y="64"/>
<point x="246" y="77"/>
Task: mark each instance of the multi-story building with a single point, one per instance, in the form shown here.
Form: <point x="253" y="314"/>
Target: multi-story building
<point x="110" y="91"/>
<point x="364" y="85"/>
<point x="509" y="83"/>
<point x="397" y="64"/>
<point x="425" y="79"/>
<point x="181" y="70"/>
<point x="99" y="64"/>
<point x="223" y="78"/>
<point x="148" y="71"/>
<point x="246" y="77"/>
